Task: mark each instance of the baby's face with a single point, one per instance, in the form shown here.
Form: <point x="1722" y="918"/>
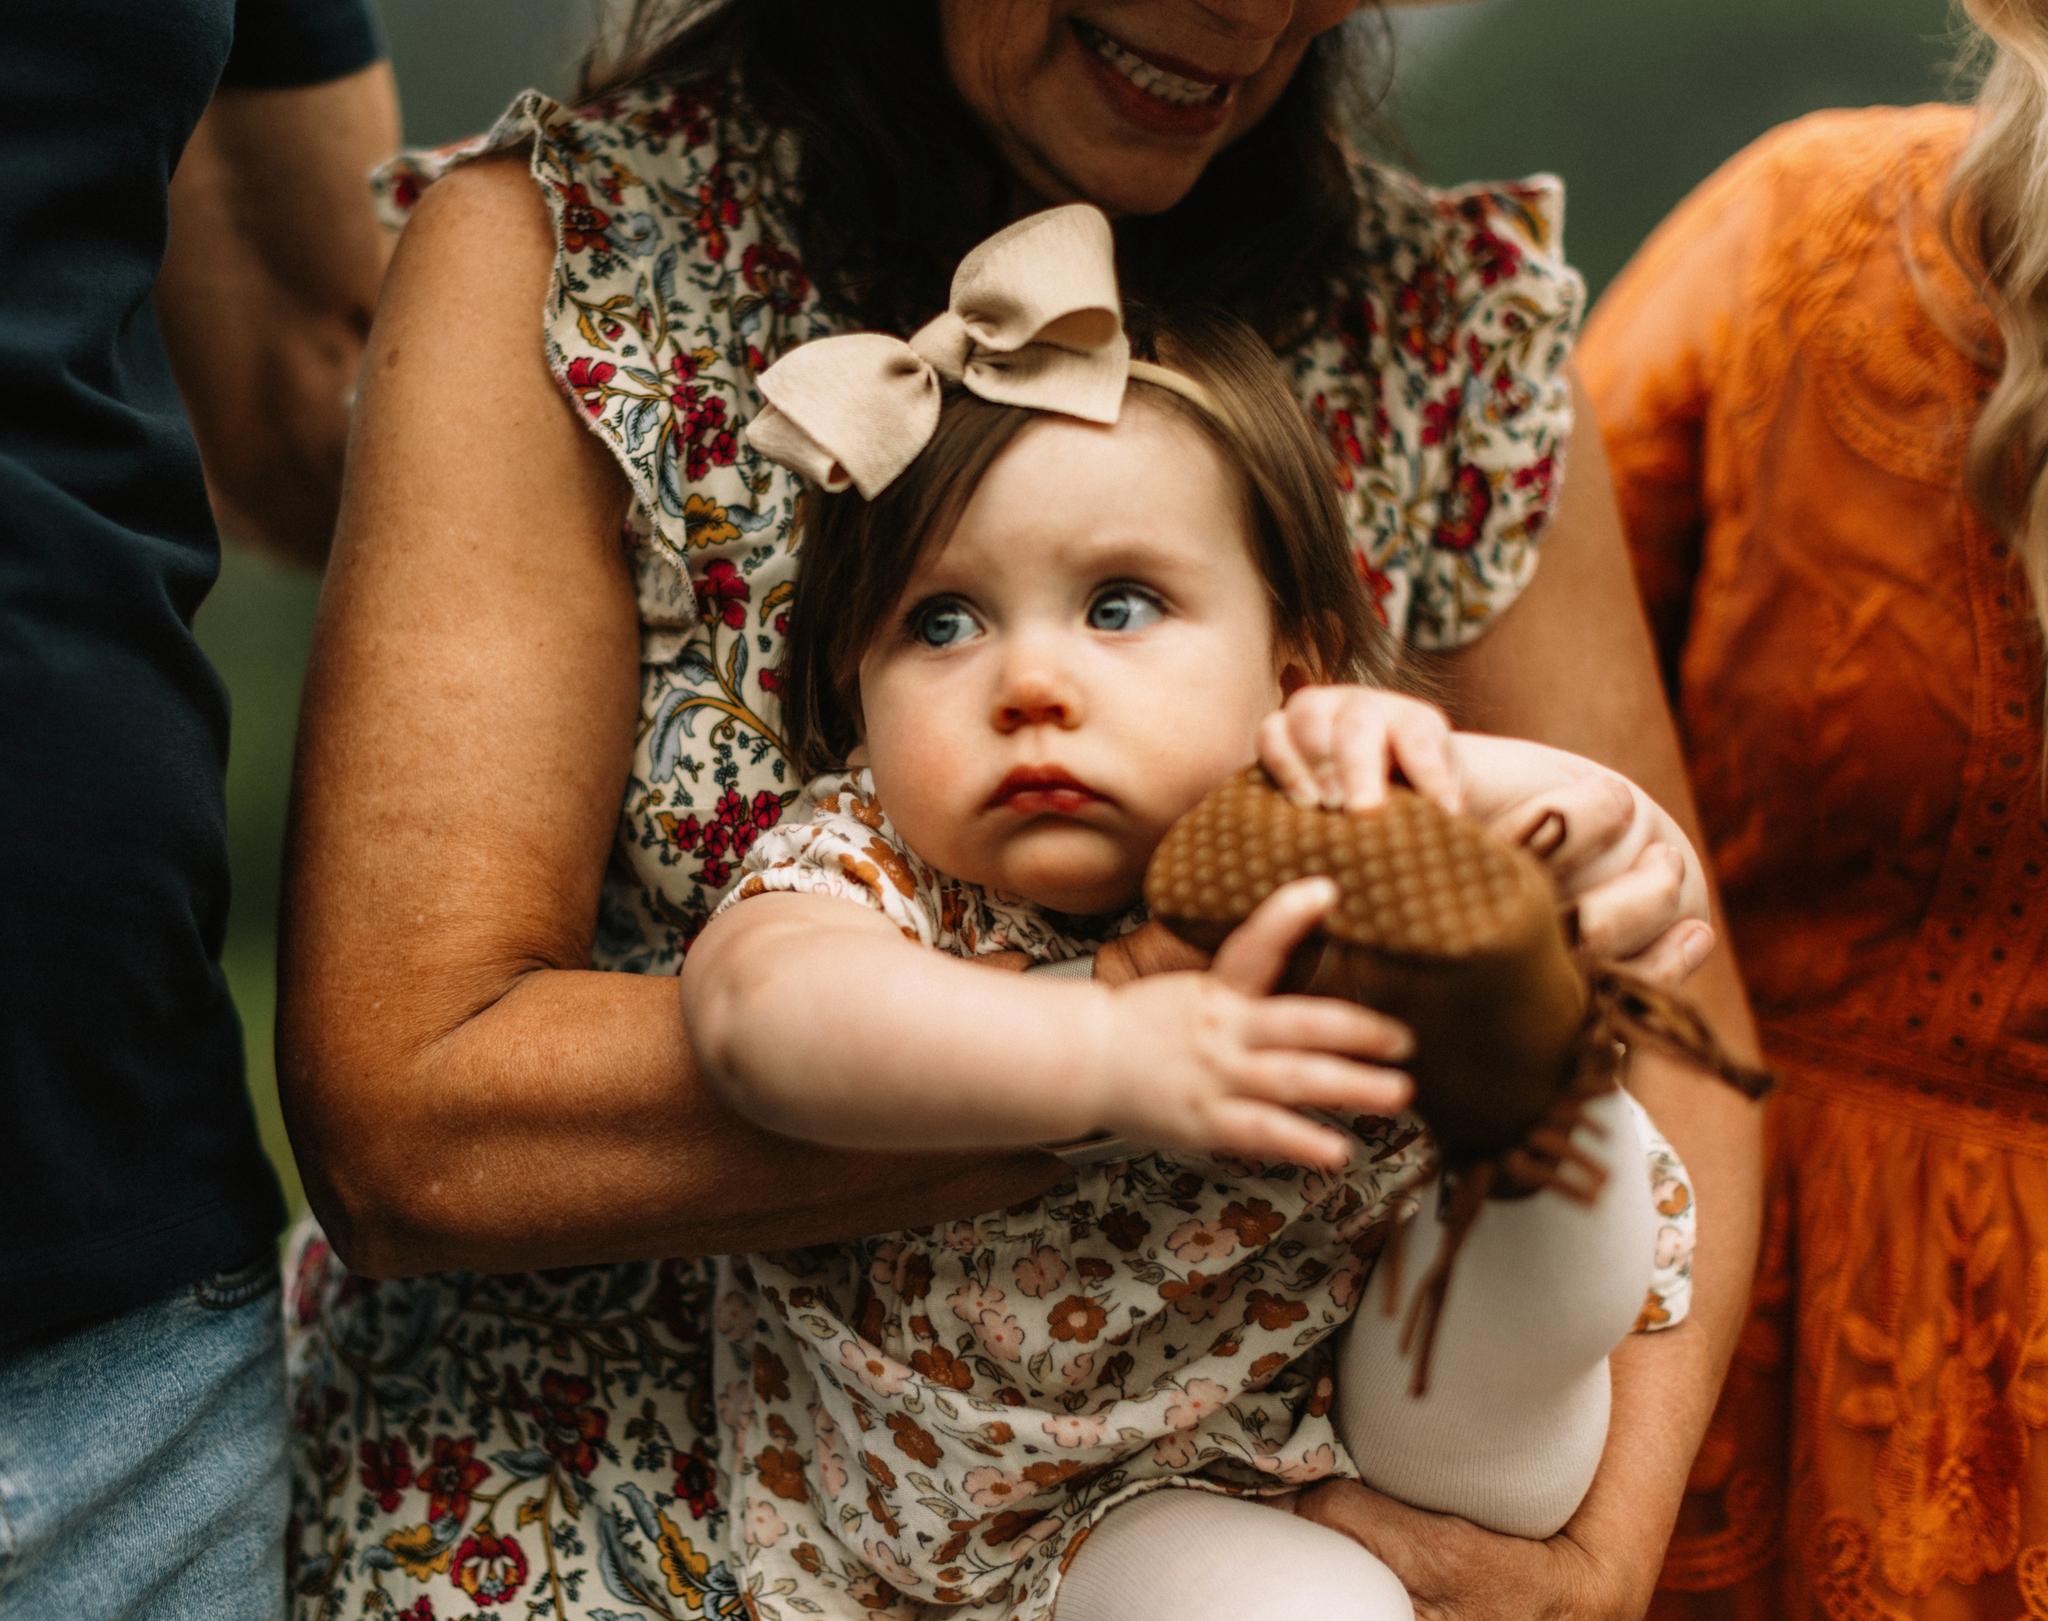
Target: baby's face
<point x="1087" y="654"/>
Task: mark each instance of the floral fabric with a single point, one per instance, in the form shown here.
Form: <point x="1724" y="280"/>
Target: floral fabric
<point x="547" y="1443"/>
<point x="944" y="1411"/>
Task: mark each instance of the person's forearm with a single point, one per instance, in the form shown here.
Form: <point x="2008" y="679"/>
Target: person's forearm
<point x="1665" y="1384"/>
<point x="270" y="273"/>
<point x="853" y="1037"/>
<point x="564" y="1124"/>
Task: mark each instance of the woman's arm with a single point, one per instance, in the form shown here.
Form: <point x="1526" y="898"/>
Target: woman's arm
<point x="1570" y="664"/>
<point x="462" y="1091"/>
<point x="815" y="1017"/>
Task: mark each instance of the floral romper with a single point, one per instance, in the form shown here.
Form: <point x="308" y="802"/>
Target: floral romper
<point x="564" y="1444"/>
<point x="938" y="1415"/>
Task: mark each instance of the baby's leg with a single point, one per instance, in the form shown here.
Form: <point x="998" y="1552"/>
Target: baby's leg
<point x="1183" y="1555"/>
<point x="1516" y="1415"/>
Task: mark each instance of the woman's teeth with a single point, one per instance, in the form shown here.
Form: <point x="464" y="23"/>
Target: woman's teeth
<point x="1154" y="81"/>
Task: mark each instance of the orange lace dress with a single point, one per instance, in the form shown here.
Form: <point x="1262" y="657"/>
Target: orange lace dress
<point x="1786" y="376"/>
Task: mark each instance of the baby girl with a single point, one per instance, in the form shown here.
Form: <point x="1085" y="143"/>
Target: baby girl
<point x="1051" y="596"/>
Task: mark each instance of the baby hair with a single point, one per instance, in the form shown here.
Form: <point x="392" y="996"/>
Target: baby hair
<point x="856" y="553"/>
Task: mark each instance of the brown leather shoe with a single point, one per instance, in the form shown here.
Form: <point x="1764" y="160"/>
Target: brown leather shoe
<point x="1447" y="927"/>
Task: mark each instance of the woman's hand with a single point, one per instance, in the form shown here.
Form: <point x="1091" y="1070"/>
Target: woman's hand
<point x="1213" y="1062"/>
<point x="1636" y="888"/>
<point x="1632" y="877"/>
<point x="1456" y="1571"/>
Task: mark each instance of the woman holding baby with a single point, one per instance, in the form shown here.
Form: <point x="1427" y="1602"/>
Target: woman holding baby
<point x="545" y="729"/>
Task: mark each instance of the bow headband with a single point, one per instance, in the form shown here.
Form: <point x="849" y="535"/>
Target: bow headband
<point x="1033" y="320"/>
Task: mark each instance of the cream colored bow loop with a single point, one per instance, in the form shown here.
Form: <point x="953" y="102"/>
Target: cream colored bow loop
<point x="1033" y="320"/>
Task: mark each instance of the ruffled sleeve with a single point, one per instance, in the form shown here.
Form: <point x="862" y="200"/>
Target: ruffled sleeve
<point x="673" y="287"/>
<point x="1443" y="390"/>
<point x="846" y="850"/>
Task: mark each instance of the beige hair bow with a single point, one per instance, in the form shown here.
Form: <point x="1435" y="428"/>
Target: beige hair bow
<point x="1033" y="320"/>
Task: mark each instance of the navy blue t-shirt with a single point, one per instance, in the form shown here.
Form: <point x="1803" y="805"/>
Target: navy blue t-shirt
<point x="129" y="1159"/>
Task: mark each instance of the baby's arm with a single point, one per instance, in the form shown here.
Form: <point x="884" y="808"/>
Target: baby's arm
<point x="815" y="1017"/>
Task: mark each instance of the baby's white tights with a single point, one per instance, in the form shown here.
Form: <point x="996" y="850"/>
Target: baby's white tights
<point x="1508" y="1436"/>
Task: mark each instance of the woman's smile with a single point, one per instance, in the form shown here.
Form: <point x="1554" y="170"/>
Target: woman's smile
<point x="1163" y="95"/>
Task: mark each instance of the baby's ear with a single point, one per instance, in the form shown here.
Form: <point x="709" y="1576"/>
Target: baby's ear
<point x="1299" y="667"/>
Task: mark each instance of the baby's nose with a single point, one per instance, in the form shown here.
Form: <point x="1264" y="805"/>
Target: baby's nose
<point x="1036" y="697"/>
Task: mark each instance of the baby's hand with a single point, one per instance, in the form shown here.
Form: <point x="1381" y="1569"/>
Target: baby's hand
<point x="1213" y="1062"/>
<point x="1337" y="746"/>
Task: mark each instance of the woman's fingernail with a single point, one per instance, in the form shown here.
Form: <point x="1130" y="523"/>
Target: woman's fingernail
<point x="1545" y="837"/>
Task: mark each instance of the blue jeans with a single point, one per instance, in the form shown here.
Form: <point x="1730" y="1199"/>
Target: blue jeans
<point x="142" y="1461"/>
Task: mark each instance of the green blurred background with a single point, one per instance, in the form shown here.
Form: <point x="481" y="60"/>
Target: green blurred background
<point x="1632" y="101"/>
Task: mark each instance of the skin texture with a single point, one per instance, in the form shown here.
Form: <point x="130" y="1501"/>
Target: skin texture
<point x="270" y="220"/>
<point x="1101" y="616"/>
<point x="463" y="1092"/>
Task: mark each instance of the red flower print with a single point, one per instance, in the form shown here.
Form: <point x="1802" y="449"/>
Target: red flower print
<point x="767" y="811"/>
<point x="311" y="1280"/>
<point x="1427" y="319"/>
<point x="1379" y="584"/>
<point x="717" y="211"/>
<point x="1496" y="258"/>
<point x="587" y="379"/>
<point x="583" y="222"/>
<point x="722" y="593"/>
<point x="714" y="873"/>
<point x="489" y="1568"/>
<point x="1439" y="417"/>
<point x="684" y="832"/>
<point x="772" y="271"/>
<point x="451" y="1474"/>
<point x="421" y="1609"/>
<point x="405" y="191"/>
<point x="570" y="1426"/>
<point x="696" y="1480"/>
<point x="1465" y="508"/>
<point x="1540" y="479"/>
<point x="387" y="1471"/>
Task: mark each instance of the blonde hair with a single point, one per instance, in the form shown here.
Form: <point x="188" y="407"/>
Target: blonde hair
<point x="1998" y="206"/>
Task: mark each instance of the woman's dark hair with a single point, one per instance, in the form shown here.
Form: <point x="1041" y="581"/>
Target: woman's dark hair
<point x="895" y="180"/>
<point x="856" y="554"/>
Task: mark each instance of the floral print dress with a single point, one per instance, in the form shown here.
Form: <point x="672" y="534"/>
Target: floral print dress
<point x="937" y="1416"/>
<point x="549" y="1444"/>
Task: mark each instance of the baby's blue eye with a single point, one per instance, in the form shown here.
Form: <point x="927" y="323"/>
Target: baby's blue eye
<point x="941" y="623"/>
<point x="1123" y="607"/>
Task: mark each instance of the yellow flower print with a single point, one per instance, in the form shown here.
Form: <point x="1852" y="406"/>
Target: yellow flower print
<point x="705" y="523"/>
<point x="420" y="1554"/>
